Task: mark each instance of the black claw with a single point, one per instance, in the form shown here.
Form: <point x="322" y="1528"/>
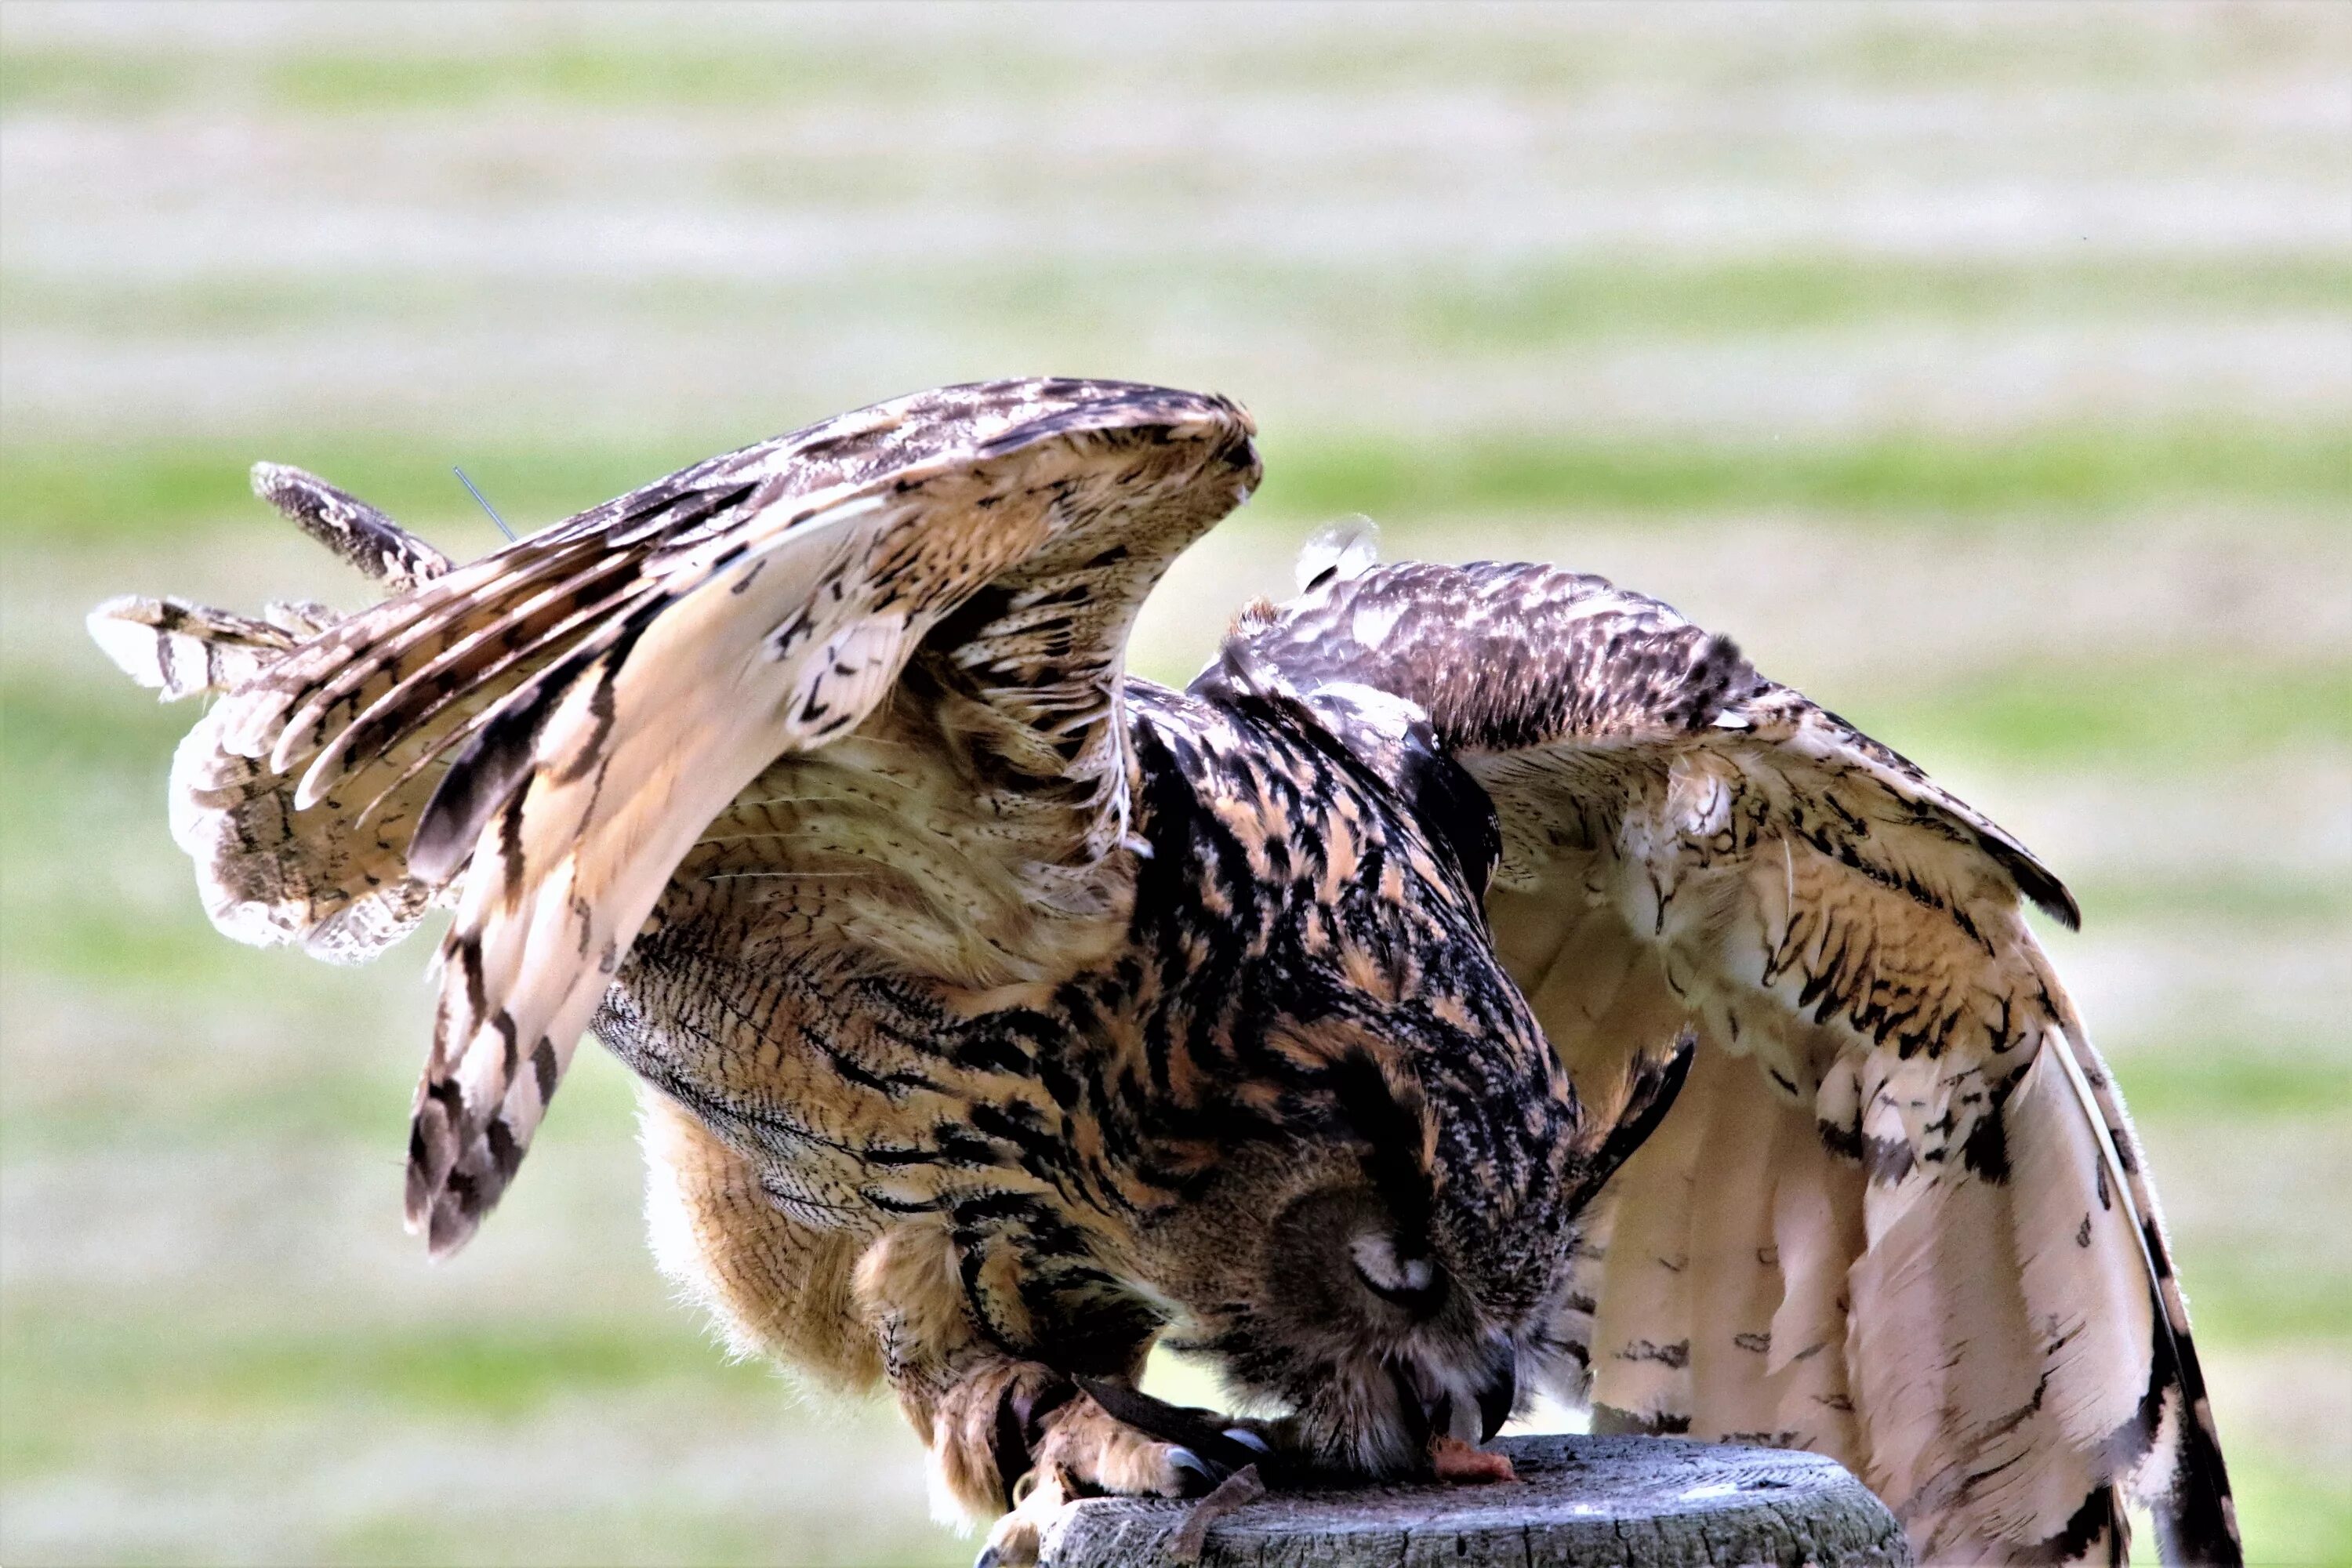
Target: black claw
<point x="1020" y="1413"/>
<point x="1249" y="1439"/>
<point x="1199" y="1476"/>
<point x="1009" y="1445"/>
<point x="987" y="1558"/>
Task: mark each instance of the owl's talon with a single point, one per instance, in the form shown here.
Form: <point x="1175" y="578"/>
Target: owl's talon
<point x="1197" y="1476"/>
<point x="1198" y="1432"/>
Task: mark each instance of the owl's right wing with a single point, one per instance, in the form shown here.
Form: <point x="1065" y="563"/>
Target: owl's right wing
<point x="1896" y="1214"/>
<point x="548" y="731"/>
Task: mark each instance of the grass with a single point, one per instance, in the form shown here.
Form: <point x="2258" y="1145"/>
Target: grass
<point x="2270" y="1296"/>
<point x="85" y="495"/>
<point x="608" y="69"/>
<point x="2294" y="1513"/>
<point x="1520" y="307"/>
<point x="2239" y="899"/>
<point x="592" y="1539"/>
<point x="2186" y="1078"/>
<point x="531" y="1431"/>
<point x="2136" y="715"/>
<point x="498" y="1370"/>
<point x="605" y="76"/>
<point x="73" y="493"/>
<point x="1906" y="476"/>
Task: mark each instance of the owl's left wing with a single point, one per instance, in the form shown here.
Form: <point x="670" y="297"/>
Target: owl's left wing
<point x="548" y="731"/>
<point x="1897" y="1214"/>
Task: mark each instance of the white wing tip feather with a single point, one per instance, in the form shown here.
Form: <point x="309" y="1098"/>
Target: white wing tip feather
<point x="124" y="630"/>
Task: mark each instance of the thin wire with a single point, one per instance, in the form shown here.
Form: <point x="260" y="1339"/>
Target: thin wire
<point x="484" y="502"/>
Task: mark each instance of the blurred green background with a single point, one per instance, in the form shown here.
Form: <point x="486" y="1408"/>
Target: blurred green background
<point x="1985" y="369"/>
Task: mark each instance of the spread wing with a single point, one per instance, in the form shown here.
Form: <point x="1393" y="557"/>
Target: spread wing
<point x="1897" y="1214"/>
<point x="546" y="732"/>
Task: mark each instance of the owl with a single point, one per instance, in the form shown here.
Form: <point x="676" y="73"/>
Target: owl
<point x="1480" y="981"/>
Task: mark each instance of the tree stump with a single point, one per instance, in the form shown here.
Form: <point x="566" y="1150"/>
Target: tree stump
<point x="1640" y="1502"/>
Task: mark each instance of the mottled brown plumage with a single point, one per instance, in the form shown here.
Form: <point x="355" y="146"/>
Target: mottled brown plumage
<point x="1001" y="1015"/>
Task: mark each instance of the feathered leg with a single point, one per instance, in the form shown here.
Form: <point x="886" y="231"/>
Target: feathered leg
<point x="775" y="1287"/>
<point x="849" y="1309"/>
<point x="1005" y="1432"/>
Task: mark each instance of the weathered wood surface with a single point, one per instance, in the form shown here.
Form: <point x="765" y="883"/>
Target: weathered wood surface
<point x="1644" y="1502"/>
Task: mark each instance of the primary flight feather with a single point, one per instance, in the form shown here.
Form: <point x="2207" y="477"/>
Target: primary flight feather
<point x="1480" y="981"/>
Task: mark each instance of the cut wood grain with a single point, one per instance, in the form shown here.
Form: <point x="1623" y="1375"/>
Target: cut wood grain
<point x="1641" y="1502"/>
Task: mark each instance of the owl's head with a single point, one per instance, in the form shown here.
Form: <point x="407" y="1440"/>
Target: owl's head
<point x="1395" y="1274"/>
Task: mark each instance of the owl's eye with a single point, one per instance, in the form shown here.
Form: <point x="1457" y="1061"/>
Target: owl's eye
<point x="1413" y="1283"/>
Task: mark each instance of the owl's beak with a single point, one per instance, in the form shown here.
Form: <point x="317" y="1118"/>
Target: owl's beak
<point x="1450" y="1392"/>
<point x="1467" y="1402"/>
<point x="1496" y="1399"/>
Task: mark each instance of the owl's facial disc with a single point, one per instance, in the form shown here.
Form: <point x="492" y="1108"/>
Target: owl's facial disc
<point x="1394" y="1348"/>
<point x="1361" y="1327"/>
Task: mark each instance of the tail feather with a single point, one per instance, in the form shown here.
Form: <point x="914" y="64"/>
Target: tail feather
<point x="1738" y="1269"/>
<point x="577" y="575"/>
<point x="327" y="682"/>
<point x="1966" y="1441"/>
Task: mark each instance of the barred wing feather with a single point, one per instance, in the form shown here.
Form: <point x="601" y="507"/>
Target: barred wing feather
<point x="546" y="733"/>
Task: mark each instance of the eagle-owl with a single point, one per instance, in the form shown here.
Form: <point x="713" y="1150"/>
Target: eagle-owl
<point x="1479" y="981"/>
